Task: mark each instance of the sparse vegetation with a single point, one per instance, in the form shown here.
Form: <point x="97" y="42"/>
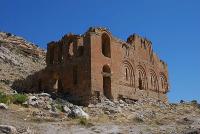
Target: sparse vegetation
<point x="59" y="107"/>
<point x="7" y="99"/>
<point x="8" y="34"/>
<point x="19" y="98"/>
<point x="83" y="121"/>
<point x="16" y="98"/>
<point x="194" y="102"/>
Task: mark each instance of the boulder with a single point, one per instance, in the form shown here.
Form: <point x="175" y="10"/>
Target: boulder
<point x="3" y="106"/>
<point x="66" y="109"/>
<point x="8" y="129"/>
<point x="44" y="95"/>
<point x="77" y="112"/>
<point x="33" y="101"/>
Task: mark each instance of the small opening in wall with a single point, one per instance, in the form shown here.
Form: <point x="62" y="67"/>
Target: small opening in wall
<point x="140" y="83"/>
<point x="126" y="74"/>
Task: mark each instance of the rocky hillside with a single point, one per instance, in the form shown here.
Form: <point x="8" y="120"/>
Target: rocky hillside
<point x="18" y="59"/>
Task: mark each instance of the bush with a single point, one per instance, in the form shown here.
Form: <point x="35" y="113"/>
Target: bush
<point x="59" y="107"/>
<point x="194" y="102"/>
<point x="5" y="98"/>
<point x="19" y="98"/>
<point x="16" y="98"/>
<point x="83" y="121"/>
<point x="8" y="34"/>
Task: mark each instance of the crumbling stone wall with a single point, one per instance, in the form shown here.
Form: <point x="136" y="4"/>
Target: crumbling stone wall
<point x="96" y="63"/>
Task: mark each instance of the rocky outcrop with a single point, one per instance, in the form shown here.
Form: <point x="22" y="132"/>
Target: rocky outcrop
<point x="77" y="112"/>
<point x="18" y="59"/>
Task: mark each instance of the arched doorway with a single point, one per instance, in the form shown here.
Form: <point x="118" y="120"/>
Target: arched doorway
<point x="107" y="82"/>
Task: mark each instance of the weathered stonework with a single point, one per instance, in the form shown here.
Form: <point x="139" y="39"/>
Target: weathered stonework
<point x="96" y="63"/>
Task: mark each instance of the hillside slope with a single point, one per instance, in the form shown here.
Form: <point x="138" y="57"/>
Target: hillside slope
<point x="18" y="59"/>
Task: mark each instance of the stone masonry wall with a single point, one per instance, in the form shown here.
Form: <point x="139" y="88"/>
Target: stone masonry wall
<point x="96" y="64"/>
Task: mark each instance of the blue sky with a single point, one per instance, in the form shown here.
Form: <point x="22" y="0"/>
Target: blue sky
<point x="172" y="25"/>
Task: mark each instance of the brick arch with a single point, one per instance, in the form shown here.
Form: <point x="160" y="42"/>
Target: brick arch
<point x="164" y="82"/>
<point x="129" y="72"/>
<point x="154" y="81"/>
<point x="142" y="78"/>
<point x="105" y="45"/>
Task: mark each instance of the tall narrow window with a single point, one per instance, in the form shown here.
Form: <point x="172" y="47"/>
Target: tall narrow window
<point x="140" y="82"/>
<point x="164" y="83"/>
<point x="126" y="74"/>
<point x="105" y="46"/>
<point x="75" y="75"/>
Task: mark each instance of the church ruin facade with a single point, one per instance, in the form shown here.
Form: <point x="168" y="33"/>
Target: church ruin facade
<point x="97" y="64"/>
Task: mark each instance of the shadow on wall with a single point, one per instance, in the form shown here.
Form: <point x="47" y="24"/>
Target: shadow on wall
<point x="29" y="84"/>
<point x="39" y="83"/>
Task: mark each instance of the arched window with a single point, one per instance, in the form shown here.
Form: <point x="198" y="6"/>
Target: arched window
<point x="164" y="83"/>
<point x="154" y="81"/>
<point x="128" y="73"/>
<point x="142" y="80"/>
<point x="105" y="46"/>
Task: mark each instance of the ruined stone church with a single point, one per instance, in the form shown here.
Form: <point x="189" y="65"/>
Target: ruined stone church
<point x="97" y="64"/>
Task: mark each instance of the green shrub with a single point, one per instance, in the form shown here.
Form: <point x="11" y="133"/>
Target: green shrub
<point x="194" y="102"/>
<point x="83" y="121"/>
<point x="7" y="99"/>
<point x="59" y="107"/>
<point x="16" y="98"/>
<point x="19" y="98"/>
